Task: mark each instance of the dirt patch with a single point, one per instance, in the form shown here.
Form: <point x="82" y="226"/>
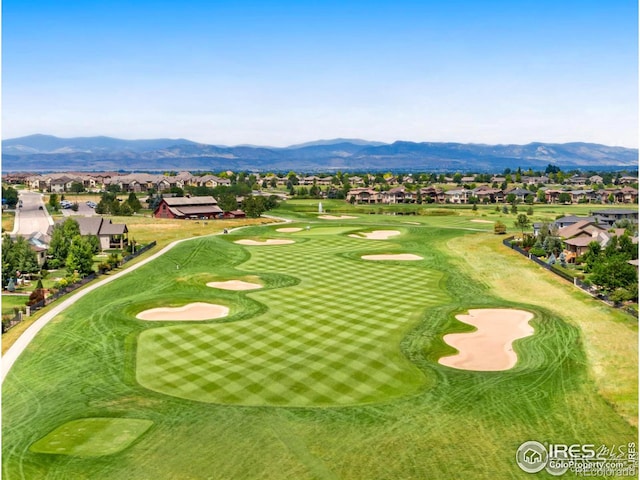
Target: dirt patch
<point x="398" y="256"/>
<point x="334" y="217"/>
<point x="234" y="285"/>
<point x="271" y="241"/>
<point x="288" y="229"/>
<point x="490" y="347"/>
<point x="376" y="234"/>
<point x="190" y="312"/>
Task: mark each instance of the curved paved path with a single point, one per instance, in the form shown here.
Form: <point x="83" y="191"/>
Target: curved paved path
<point x="11" y="355"/>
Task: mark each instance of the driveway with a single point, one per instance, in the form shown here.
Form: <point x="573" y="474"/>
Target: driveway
<point x="32" y="217"/>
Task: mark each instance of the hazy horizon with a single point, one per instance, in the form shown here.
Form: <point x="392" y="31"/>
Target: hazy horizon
<point x="282" y="73"/>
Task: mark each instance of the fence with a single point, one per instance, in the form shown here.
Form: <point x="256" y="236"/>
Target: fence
<point x="590" y="289"/>
<point x="31" y="309"/>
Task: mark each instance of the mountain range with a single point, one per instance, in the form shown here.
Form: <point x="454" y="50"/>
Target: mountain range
<point x="41" y="153"/>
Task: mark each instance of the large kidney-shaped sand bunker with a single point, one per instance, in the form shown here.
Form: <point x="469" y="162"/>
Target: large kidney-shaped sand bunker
<point x="490" y="347"/>
<point x="271" y="241"/>
<point x="396" y="256"/>
<point x="191" y="311"/>
<point x="234" y="285"/>
<point x="376" y="234"/>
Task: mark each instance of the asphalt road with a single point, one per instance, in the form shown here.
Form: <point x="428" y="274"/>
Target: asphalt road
<point x="32" y="216"/>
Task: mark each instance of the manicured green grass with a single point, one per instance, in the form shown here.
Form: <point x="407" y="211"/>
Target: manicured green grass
<point x="9" y="302"/>
<point x="92" y="437"/>
<point x="329" y="324"/>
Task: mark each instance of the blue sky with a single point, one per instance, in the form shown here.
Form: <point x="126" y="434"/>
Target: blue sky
<point x="286" y="72"/>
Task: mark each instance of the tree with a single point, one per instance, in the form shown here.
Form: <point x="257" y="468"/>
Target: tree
<point x="564" y="197"/>
<point x="77" y="187"/>
<point x="522" y="222"/>
<point x="17" y="256"/>
<point x="227" y="202"/>
<point x="253" y="206"/>
<point x="134" y="203"/>
<point x="80" y="256"/>
<point x="457" y="178"/>
<point x="10" y="196"/>
<point x="61" y="240"/>
<point x="53" y="201"/>
<point x="614" y="271"/>
<point x="499" y="228"/>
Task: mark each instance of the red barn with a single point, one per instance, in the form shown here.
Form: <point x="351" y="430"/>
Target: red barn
<point x="188" y="208"/>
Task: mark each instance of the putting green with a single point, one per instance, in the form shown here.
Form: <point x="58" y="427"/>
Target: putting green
<point x="92" y="437"/>
<point x="321" y="342"/>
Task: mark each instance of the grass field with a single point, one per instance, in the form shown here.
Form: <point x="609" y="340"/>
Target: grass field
<point x="328" y="372"/>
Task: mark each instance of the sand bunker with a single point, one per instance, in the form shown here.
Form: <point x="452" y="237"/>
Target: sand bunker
<point x="398" y="256"/>
<point x="271" y="241"/>
<point x="234" y="285"/>
<point x="191" y="311"/>
<point x="288" y="230"/>
<point x="477" y="220"/>
<point x="333" y="217"/>
<point x="376" y="234"/>
<point x="489" y="348"/>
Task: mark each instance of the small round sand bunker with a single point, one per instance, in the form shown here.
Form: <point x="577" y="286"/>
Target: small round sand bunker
<point x="490" y="347"/>
<point x="397" y="256"/>
<point x="376" y="234"/>
<point x="271" y="241"/>
<point x="288" y="230"/>
<point x="234" y="285"/>
<point x="334" y="217"/>
<point x="192" y="311"/>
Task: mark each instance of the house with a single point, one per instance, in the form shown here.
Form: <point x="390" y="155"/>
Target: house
<point x="457" y="196"/>
<point x="111" y="235"/>
<point x="568" y="220"/>
<point x="188" y="208"/>
<point x="596" y="180"/>
<point x="398" y="195"/>
<point x="364" y="195"/>
<point x="487" y="194"/>
<point x="611" y="216"/>
<point x="434" y="193"/>
<point x="520" y="193"/>
<point x="578" y="236"/>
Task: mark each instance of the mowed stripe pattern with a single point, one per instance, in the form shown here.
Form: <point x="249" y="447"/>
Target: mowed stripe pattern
<point x="333" y="339"/>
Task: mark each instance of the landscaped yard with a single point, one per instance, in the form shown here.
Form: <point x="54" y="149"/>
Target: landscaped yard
<point x="329" y="367"/>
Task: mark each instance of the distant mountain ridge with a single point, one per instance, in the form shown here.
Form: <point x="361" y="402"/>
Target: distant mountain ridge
<point x="50" y="153"/>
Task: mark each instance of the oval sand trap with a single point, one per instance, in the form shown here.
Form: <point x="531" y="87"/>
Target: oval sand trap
<point x="271" y="241"/>
<point x="234" y="285"/>
<point x="334" y="217"/>
<point x="191" y="311"/>
<point x="489" y="348"/>
<point x="376" y="234"/>
<point x="288" y="229"/>
<point x="477" y="220"/>
<point x="397" y="256"/>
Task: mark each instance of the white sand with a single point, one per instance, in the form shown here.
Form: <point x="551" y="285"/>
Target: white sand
<point x="271" y="241"/>
<point x="234" y="285"/>
<point x="288" y="230"/>
<point x="477" y="220"/>
<point x="413" y="223"/>
<point x="489" y="348"/>
<point x="191" y="311"/>
<point x="376" y="234"/>
<point x="398" y="256"/>
<point x="333" y="217"/>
